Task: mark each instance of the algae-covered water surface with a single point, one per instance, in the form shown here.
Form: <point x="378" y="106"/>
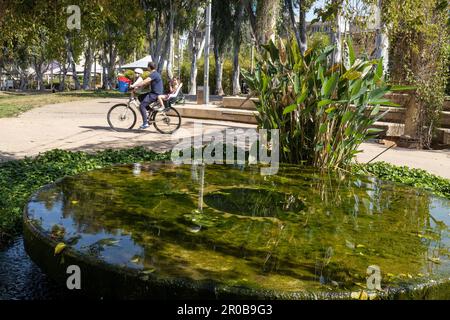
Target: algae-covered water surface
<point x="296" y="231"/>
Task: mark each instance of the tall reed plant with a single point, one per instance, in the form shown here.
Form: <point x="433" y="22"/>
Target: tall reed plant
<point x="323" y="111"/>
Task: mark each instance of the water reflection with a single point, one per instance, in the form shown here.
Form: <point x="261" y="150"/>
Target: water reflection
<point x="296" y="230"/>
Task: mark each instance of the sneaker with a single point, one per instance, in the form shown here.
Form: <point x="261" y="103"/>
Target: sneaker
<point x="144" y="126"/>
<point x="158" y="108"/>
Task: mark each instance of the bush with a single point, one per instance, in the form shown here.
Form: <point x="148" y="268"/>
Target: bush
<point x="21" y="178"/>
<point x="323" y="112"/>
<point x="129" y="74"/>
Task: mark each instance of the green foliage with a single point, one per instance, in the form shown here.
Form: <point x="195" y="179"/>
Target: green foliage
<point x="21" y="178"/>
<point x="413" y="177"/>
<point x="447" y="89"/>
<point x="419" y="56"/>
<point x="323" y="112"/>
<point x="319" y="40"/>
<point x="129" y="74"/>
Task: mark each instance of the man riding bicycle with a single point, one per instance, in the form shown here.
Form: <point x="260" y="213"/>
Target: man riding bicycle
<point x="157" y="88"/>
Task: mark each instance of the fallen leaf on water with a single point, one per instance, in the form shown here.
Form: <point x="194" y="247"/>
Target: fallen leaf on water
<point x="363" y="295"/>
<point x="373" y="296"/>
<point x="359" y="295"/>
<point x="74" y="201"/>
<point x="435" y="260"/>
<point x="147" y="271"/>
<point x="59" y="248"/>
<point x="349" y="244"/>
<point x="360" y="246"/>
<point x="135" y="260"/>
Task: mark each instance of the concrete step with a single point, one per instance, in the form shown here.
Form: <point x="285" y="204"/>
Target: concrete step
<point x="447" y="104"/>
<point x="444" y="120"/>
<point x="397" y="115"/>
<point x="394" y="115"/>
<point x="216" y="113"/>
<point x="398" y="129"/>
<point x="239" y="103"/>
<point x="443" y="136"/>
<point x="390" y="129"/>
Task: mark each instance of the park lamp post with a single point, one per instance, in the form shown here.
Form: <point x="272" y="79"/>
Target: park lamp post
<point x="207" y="43"/>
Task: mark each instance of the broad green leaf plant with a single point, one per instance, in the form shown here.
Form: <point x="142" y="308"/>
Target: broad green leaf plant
<point x="323" y="111"/>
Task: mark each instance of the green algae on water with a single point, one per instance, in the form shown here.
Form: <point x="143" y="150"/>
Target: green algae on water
<point x="296" y="231"/>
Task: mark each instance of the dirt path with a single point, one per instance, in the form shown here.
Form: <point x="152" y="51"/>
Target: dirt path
<point x="82" y="125"/>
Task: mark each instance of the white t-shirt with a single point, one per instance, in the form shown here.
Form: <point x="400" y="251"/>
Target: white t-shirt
<point x="138" y="81"/>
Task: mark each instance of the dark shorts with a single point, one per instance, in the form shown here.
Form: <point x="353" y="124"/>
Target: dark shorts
<point x="147" y="98"/>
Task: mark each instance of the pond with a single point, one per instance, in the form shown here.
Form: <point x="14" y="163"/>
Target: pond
<point x="160" y="230"/>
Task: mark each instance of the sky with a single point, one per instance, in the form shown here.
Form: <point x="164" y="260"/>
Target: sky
<point x="310" y="13"/>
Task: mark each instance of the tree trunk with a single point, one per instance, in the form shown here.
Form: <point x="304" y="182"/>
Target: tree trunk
<point x="336" y="38"/>
<point x="23" y="81"/>
<point x="170" y="41"/>
<point x="159" y="41"/>
<point x="62" y="83"/>
<point x="201" y="47"/>
<point x="72" y="63"/>
<point x="218" y="57"/>
<point x="112" y="66"/>
<point x="106" y="84"/>
<point x="290" y="7"/>
<point x="237" y="47"/>
<point x="193" y="74"/>
<point x="39" y="76"/>
<point x="109" y="57"/>
<point x="87" y="67"/>
<point x="266" y="17"/>
<point x="236" y="70"/>
<point x="302" y="28"/>
<point x="381" y="40"/>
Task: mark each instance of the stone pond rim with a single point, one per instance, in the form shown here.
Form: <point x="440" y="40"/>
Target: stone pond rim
<point x="108" y="280"/>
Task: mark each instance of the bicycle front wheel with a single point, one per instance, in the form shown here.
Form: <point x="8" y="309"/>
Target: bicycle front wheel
<point x="167" y="121"/>
<point x="121" y="117"/>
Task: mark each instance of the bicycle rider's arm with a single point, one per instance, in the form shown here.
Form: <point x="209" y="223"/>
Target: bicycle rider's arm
<point x="143" y="83"/>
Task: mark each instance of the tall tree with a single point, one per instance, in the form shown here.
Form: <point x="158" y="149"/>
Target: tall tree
<point x="196" y="48"/>
<point x="237" y="37"/>
<point x="299" y="27"/>
<point x="222" y="30"/>
<point x="263" y="16"/>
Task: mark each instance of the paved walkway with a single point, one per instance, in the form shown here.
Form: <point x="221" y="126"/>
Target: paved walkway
<point x="82" y="126"/>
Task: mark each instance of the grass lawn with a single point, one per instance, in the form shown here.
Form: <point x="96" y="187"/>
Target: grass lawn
<point x="15" y="103"/>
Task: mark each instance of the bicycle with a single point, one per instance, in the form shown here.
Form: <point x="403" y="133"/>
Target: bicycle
<point x="123" y="116"/>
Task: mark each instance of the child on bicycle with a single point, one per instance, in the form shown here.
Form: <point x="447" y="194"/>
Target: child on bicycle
<point x="174" y="84"/>
<point x="139" y="72"/>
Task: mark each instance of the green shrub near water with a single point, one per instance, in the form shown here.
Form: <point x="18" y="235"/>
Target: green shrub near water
<point x="19" y="179"/>
<point x="412" y="177"/>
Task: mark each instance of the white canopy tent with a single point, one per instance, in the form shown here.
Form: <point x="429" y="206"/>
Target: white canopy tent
<point x="141" y="63"/>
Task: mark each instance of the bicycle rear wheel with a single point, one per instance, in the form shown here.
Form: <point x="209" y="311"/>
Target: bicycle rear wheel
<point x="167" y="121"/>
<point x="121" y="117"/>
